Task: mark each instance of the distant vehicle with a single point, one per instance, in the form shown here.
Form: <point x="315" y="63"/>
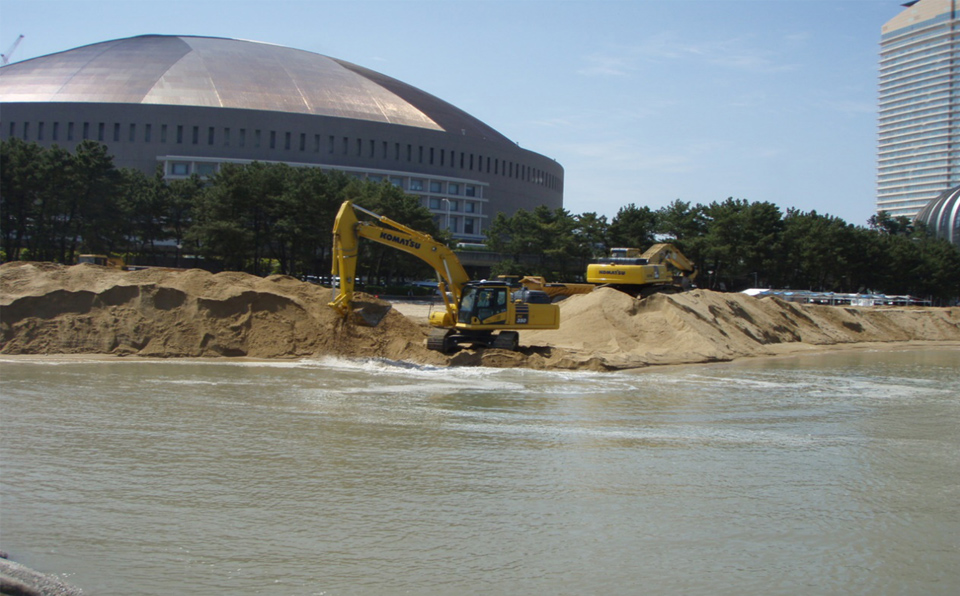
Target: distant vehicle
<point x="103" y="261"/>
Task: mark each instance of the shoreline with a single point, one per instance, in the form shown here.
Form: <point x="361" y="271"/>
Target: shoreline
<point x="780" y="352"/>
<point x="52" y="311"/>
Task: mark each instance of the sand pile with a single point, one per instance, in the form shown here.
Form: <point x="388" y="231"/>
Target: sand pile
<point x="704" y="326"/>
<point x="86" y="309"/>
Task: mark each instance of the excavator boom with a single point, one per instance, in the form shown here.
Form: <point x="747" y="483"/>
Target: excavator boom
<point x="348" y="229"/>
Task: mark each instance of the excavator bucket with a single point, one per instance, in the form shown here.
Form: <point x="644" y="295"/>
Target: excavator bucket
<point x="368" y="313"/>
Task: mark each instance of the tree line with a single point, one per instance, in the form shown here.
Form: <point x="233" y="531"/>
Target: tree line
<point x="275" y="218"/>
<point x="259" y="218"/>
<point x="737" y="244"/>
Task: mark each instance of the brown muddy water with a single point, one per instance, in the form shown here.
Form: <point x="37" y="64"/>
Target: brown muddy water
<point x="831" y="474"/>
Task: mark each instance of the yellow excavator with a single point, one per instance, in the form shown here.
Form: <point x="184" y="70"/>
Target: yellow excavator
<point x="661" y="268"/>
<point x="478" y="313"/>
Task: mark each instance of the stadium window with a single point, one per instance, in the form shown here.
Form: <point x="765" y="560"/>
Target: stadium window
<point x="55" y="133"/>
<point x="163" y="133"/>
<point x="421" y="153"/>
<point x="470" y="190"/>
<point x="286" y="141"/>
<point x="359" y="147"/>
<point x="133" y="133"/>
<point x="453" y="188"/>
<point x="86" y="131"/>
<point x="179" y="168"/>
<point x="461" y="160"/>
<point x="409" y="152"/>
<point x="434" y="203"/>
<point x="101" y="131"/>
<point x="196" y="135"/>
<point x="471" y="161"/>
<point x="226" y="137"/>
<point x="206" y="169"/>
<point x="116" y="132"/>
<point x="303" y="141"/>
<point x="179" y="134"/>
<point x="396" y="151"/>
<point x="468" y="225"/>
<point x="147" y="129"/>
<point x="13" y="130"/>
<point x="273" y="139"/>
<point x="210" y="135"/>
<point x="316" y="143"/>
<point x="26" y="130"/>
<point x="396" y="181"/>
<point x="431" y="156"/>
<point x="373" y="148"/>
<point x="332" y="140"/>
<point x="243" y="137"/>
<point x="256" y="138"/>
<point x="346" y="145"/>
<point x="385" y="150"/>
<point x="436" y="186"/>
<point x="469" y="207"/>
<point x="39" y="131"/>
<point x="443" y="156"/>
<point x="69" y="130"/>
<point x="416" y="184"/>
<point x="453" y="223"/>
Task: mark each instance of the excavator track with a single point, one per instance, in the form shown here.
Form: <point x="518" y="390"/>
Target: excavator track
<point x="506" y="340"/>
<point x="439" y="340"/>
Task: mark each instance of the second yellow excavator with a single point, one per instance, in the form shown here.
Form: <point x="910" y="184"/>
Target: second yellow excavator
<point x="479" y="313"/>
<point x="660" y="268"/>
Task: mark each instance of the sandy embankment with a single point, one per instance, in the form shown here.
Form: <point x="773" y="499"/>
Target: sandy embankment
<point x="51" y="309"/>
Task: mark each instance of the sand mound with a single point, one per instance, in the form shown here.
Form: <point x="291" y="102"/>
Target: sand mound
<point x="87" y="309"/>
<point x="704" y="326"/>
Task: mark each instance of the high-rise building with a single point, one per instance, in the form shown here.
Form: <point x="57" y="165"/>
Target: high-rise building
<point x="919" y="138"/>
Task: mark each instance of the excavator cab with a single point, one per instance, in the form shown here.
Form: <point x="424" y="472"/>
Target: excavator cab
<point x="483" y="304"/>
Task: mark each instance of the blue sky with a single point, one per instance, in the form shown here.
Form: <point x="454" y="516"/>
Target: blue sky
<point x="641" y="101"/>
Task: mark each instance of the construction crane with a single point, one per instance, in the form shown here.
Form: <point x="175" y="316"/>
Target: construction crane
<point x="5" y="57"/>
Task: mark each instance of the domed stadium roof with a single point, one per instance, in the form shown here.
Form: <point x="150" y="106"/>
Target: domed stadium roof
<point x="942" y="215"/>
<point x="229" y="73"/>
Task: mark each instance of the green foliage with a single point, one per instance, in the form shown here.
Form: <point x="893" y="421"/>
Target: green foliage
<point x="562" y="243"/>
<point x="738" y="244"/>
<point x="55" y="204"/>
<point x="275" y="218"/>
<point x="633" y="227"/>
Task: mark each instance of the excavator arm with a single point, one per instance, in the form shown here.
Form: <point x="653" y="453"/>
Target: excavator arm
<point x="669" y="255"/>
<point x="348" y="229"/>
